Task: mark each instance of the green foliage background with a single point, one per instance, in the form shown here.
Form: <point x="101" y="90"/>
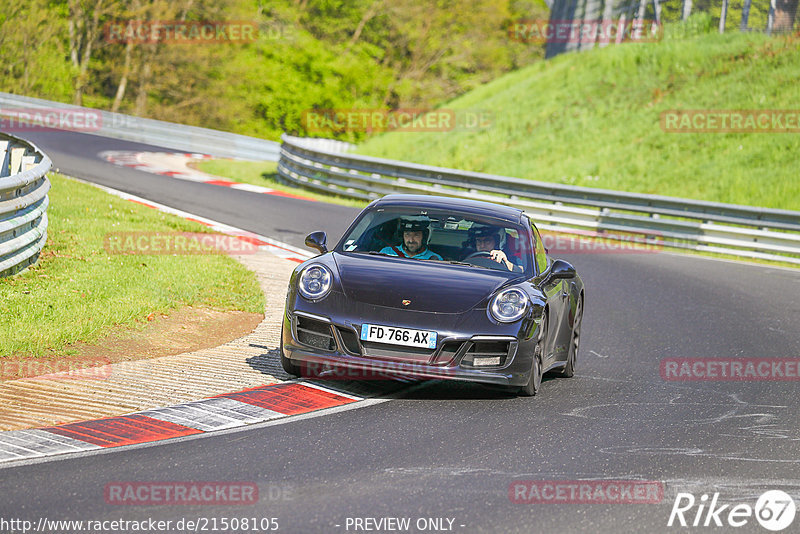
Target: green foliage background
<point x="309" y="55"/>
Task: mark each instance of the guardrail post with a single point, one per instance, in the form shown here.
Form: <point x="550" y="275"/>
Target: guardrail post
<point x="16" y="160"/>
<point x="4" y="158"/>
<point x="28" y="162"/>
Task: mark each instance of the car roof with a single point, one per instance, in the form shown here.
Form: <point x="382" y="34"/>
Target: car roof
<point x="472" y="206"/>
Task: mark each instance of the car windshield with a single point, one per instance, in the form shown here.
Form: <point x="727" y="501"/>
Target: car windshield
<point x="440" y="235"/>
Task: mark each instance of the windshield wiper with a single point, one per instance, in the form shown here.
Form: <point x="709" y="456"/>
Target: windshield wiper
<point x="454" y="262"/>
<point x="375" y="253"/>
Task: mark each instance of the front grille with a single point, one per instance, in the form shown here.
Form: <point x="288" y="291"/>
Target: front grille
<point x="493" y="353"/>
<point x="396" y="352"/>
<point x="315" y="333"/>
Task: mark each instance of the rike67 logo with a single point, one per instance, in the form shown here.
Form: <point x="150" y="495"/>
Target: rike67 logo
<point x="774" y="510"/>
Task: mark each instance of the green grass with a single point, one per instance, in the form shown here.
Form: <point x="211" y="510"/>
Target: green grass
<point x="264" y="173"/>
<point x="593" y="119"/>
<point x="77" y="291"/>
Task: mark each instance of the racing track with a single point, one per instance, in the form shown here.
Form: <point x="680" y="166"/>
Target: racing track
<point x="451" y="450"/>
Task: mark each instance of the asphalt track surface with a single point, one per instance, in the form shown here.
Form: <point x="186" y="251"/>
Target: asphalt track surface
<point x="450" y="450"/>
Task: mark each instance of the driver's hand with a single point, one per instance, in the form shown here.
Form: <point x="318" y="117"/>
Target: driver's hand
<point x="499" y="256"/>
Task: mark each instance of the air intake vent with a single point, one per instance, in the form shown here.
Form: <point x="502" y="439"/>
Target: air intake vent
<point x="315" y="333"/>
<point x="350" y="340"/>
<point x="448" y="352"/>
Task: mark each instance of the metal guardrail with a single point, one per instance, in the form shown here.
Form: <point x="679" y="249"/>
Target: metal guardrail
<point x="154" y="132"/>
<point x="730" y="229"/>
<point x="23" y="203"/>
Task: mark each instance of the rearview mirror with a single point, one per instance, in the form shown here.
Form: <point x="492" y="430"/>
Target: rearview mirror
<point x="561" y="270"/>
<point x="318" y="241"/>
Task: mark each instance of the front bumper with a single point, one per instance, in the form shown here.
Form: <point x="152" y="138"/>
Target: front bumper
<point x="343" y="362"/>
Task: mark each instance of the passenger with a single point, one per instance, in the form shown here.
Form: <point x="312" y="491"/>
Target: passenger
<point x="416" y="234"/>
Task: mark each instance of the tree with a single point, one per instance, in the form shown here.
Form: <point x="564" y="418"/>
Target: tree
<point x="723" y="16"/>
<point x="745" y="15"/>
<point x="84" y="34"/>
<point x="122" y="86"/>
<point x="686" y="10"/>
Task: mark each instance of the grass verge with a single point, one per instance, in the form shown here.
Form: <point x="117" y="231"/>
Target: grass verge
<point x="594" y="119"/>
<point x="78" y="291"/>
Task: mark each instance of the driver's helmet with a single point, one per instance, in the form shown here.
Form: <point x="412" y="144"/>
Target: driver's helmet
<point x="483" y="230"/>
<point x="417" y="223"/>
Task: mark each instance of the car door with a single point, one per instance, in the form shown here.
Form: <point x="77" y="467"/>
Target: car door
<point x="554" y="291"/>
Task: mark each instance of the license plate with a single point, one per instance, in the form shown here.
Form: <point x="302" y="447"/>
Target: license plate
<point x="393" y="335"/>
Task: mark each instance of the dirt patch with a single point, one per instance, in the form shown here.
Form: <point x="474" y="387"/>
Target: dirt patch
<point x="185" y="330"/>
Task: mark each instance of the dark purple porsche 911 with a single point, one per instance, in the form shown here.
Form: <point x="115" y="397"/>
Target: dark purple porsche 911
<point x="435" y="287"/>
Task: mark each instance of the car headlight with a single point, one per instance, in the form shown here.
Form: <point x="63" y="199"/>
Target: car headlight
<point x="509" y="305"/>
<point x="315" y="282"/>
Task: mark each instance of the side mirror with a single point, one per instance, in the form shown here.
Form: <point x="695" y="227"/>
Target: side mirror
<point x="561" y="270"/>
<point x="318" y="241"/>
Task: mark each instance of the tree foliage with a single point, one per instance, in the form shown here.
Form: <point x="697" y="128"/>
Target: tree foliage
<point x="309" y="54"/>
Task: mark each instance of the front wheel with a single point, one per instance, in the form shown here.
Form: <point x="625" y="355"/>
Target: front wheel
<point x="535" y="381"/>
<point x="572" y="356"/>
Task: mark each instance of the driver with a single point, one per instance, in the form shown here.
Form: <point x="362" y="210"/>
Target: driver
<point x="487" y="239"/>
<point x="416" y="233"/>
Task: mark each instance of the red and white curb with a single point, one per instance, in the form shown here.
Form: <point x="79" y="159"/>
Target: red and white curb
<point x="231" y="410"/>
<point x="175" y="165"/>
<point x="226" y="411"/>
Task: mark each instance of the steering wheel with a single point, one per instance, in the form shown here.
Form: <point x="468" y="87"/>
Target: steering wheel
<point x="483" y="254"/>
<point x="483" y="259"/>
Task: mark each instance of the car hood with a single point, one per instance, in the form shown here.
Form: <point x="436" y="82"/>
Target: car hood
<point x="430" y="286"/>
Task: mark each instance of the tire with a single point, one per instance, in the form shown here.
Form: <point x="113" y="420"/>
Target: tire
<point x="574" y="342"/>
<point x="535" y="381"/>
<point x="286" y="363"/>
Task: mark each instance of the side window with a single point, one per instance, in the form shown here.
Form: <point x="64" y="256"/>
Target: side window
<point x="539" y="253"/>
